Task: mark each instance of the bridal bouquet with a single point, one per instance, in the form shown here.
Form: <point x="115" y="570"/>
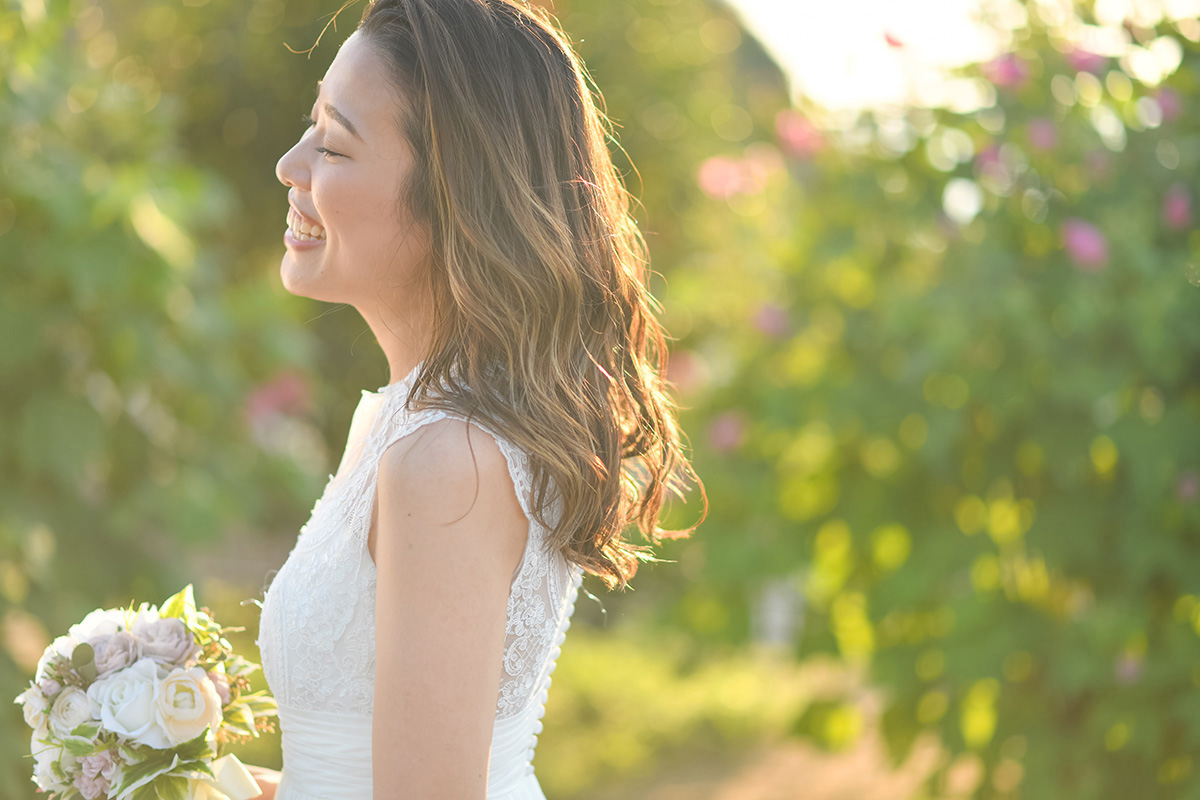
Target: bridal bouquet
<point x="133" y="705"/>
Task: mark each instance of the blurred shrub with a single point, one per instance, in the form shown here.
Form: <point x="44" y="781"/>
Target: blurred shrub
<point x="947" y="382"/>
<point x="129" y="351"/>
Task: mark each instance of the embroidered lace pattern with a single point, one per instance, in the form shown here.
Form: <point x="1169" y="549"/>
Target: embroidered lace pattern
<point x="317" y="634"/>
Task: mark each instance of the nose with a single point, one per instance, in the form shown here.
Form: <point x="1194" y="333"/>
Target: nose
<point x="292" y="169"/>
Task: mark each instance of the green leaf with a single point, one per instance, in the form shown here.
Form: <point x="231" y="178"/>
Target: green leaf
<point x="199" y="747"/>
<point x="261" y="703"/>
<point x="170" y="787"/>
<point x="83" y="661"/>
<point x="87" y="730"/>
<point x="239" y="717"/>
<point x="142" y="774"/>
<point x="182" y="604"/>
<point x="188" y="768"/>
<point x="79" y="746"/>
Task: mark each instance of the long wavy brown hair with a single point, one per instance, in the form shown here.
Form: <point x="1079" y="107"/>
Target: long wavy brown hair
<point x="543" y="327"/>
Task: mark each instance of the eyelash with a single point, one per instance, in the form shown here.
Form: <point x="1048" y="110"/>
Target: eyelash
<point x="309" y="121"/>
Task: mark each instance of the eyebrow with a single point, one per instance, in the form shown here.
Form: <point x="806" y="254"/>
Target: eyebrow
<point x="337" y="115"/>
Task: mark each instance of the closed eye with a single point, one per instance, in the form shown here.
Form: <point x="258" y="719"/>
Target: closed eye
<point x="308" y="120"/>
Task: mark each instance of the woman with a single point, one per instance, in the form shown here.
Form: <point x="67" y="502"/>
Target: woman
<point x="454" y="186"/>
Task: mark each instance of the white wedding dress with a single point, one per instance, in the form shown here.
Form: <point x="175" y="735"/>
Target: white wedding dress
<point x="317" y="634"/>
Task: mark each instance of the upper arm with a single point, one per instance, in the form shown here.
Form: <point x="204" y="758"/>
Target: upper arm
<point x="449" y="535"/>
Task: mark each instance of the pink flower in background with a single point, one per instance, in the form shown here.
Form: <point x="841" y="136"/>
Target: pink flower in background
<point x="892" y="41"/>
<point x="721" y="177"/>
<point x="1128" y="668"/>
<point x="797" y="135"/>
<point x="1188" y="486"/>
<point x="1082" y="60"/>
<point x="685" y="370"/>
<point x="287" y="393"/>
<point x="727" y="431"/>
<point x="1043" y="133"/>
<point x="1170" y="102"/>
<point x="772" y="320"/>
<point x="1098" y="164"/>
<point x="1007" y="71"/>
<point x="1177" y="207"/>
<point x="1086" y="244"/>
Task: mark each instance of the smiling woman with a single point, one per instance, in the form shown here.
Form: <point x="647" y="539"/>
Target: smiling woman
<point x="454" y="186"/>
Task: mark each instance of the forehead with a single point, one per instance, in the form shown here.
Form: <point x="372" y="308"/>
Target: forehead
<point x="357" y="85"/>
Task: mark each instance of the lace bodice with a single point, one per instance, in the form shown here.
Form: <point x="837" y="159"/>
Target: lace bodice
<point x="317" y="635"/>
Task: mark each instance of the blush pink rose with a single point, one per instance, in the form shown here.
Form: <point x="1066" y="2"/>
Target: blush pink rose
<point x="98" y="775"/>
<point x="221" y="683"/>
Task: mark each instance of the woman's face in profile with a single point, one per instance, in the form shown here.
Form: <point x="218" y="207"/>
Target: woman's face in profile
<point x="344" y="174"/>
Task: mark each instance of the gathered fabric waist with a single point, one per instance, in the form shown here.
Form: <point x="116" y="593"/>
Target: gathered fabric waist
<point x="327" y="756"/>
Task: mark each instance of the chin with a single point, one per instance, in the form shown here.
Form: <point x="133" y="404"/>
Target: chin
<point x="303" y="282"/>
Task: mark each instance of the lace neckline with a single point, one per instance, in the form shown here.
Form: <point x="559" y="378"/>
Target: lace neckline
<point x="404" y="383"/>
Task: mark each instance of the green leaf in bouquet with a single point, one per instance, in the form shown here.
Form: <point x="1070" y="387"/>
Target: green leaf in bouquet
<point x="79" y="746"/>
<point x="171" y="787"/>
<point x="188" y="769"/>
<point x="201" y="746"/>
<point x="83" y="661"/>
<point x="261" y="703"/>
<point x="182" y="605"/>
<point x="238" y="666"/>
<point x="142" y="774"/>
<point x="133" y="755"/>
<point x="239" y="717"/>
<point x="88" y="730"/>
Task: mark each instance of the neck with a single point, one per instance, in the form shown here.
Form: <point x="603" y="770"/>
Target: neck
<point x="404" y="339"/>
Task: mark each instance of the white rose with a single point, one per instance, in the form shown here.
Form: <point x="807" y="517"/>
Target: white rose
<point x="124" y="702"/>
<point x="44" y="756"/>
<point x="101" y="622"/>
<point x="187" y="704"/>
<point x="33" y="705"/>
<point x="71" y="709"/>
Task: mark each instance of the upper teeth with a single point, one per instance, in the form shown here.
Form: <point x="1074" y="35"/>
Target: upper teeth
<point x="302" y="229"/>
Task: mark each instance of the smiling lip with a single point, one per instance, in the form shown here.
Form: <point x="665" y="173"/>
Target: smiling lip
<point x="293" y="238"/>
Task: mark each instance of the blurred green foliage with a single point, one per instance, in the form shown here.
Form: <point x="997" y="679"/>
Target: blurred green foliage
<point x="947" y="379"/>
<point x="939" y="368"/>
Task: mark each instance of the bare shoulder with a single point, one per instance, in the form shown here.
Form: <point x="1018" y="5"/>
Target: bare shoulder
<point x="450" y="469"/>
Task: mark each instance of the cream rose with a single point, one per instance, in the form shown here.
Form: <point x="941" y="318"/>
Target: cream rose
<point x="124" y="702"/>
<point x="71" y="709"/>
<point x="187" y="704"/>
<point x="33" y="705"/>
